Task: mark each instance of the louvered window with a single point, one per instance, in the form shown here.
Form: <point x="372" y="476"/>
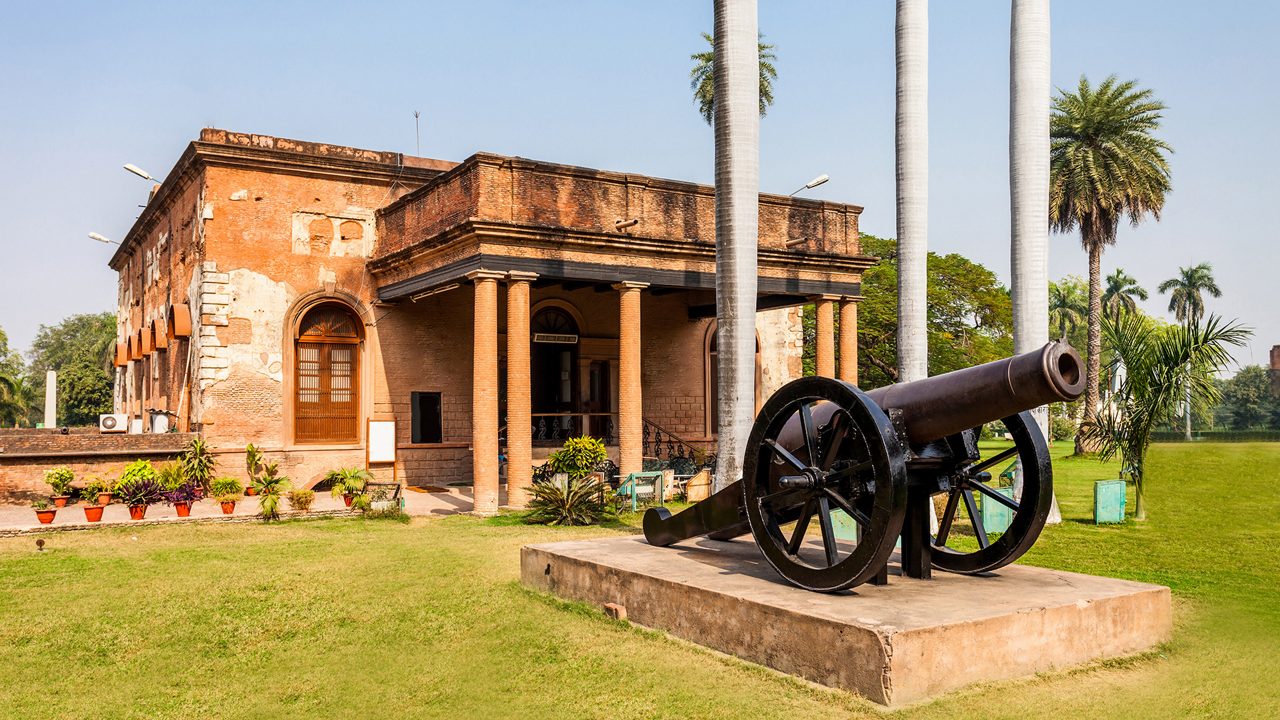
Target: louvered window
<point x="327" y="401"/>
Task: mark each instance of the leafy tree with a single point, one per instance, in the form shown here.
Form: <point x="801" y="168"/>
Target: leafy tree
<point x="1105" y="164"/>
<point x="1119" y="296"/>
<point x="1247" y="400"/>
<point x="84" y="393"/>
<point x="80" y="350"/>
<point x="1161" y="362"/>
<point x="1186" y="301"/>
<point x="10" y="360"/>
<point x="970" y="316"/>
<point x="702" y="79"/>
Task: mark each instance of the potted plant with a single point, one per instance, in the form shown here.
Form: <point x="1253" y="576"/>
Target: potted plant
<point x="300" y="500"/>
<point x="182" y="497"/>
<point x="270" y="484"/>
<point x="226" y="490"/>
<point x="98" y="487"/>
<point x="253" y="464"/>
<point x="44" y="511"/>
<point x="198" y="464"/>
<point x="92" y="497"/>
<point x="347" y="483"/>
<point x="138" y="493"/>
<point x="59" y="480"/>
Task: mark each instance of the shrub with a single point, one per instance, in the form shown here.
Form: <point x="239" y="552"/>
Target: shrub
<point x="171" y="476"/>
<point x="226" y="486"/>
<point x="187" y="492"/>
<point x="1061" y="429"/>
<point x="270" y="484"/>
<point x="40" y="504"/>
<point x="60" y="479"/>
<point x="138" y="470"/>
<point x="198" y="463"/>
<point x="300" y="499"/>
<point x="229" y="497"/>
<point x="92" y="487"/>
<point x="347" y="481"/>
<point x="579" y="457"/>
<point x="139" y="491"/>
<point x="580" y="501"/>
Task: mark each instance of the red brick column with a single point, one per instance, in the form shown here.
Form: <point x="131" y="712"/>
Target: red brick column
<point x="826" y="336"/>
<point x="849" y="340"/>
<point x="484" y="392"/>
<point x="630" y="398"/>
<point x="519" y="418"/>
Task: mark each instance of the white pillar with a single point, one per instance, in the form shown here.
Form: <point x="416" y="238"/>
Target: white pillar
<point x="912" y="145"/>
<point x="51" y="399"/>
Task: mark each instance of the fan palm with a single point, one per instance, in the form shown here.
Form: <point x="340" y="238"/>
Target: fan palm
<point x="17" y="399"/>
<point x="1068" y="305"/>
<point x="1119" y="296"/>
<point x="1186" y="301"/>
<point x="1105" y="165"/>
<point x="1161" y="362"/>
<point x="702" y="79"/>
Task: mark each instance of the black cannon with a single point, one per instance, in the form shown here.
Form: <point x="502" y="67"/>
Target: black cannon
<point x="820" y="446"/>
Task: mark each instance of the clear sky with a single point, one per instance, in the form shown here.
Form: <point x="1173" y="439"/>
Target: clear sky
<point x="89" y="86"/>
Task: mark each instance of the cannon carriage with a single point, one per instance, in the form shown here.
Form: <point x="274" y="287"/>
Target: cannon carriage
<point x="821" y="446"/>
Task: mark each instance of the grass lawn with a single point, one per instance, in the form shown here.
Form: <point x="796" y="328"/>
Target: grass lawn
<point x="356" y="618"/>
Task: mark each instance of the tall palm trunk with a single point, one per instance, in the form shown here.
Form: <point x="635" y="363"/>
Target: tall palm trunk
<point x="737" y="129"/>
<point x="1029" y="90"/>
<point x="1093" y="362"/>
<point x="912" y="145"/>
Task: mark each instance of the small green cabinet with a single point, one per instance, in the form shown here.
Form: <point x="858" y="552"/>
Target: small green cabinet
<point x="996" y="517"/>
<point x="1108" y="501"/>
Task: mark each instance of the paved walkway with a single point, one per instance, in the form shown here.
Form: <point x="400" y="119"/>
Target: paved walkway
<point x="19" y="518"/>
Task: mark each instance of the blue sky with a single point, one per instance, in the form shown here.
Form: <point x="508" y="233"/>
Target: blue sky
<point x="88" y="87"/>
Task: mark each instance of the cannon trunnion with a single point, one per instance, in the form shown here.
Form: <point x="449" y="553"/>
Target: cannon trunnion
<point x="820" y="447"/>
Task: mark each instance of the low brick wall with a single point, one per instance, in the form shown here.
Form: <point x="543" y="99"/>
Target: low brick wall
<point x="26" y="454"/>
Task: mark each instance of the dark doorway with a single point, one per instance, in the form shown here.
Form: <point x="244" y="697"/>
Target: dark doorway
<point x="553" y="384"/>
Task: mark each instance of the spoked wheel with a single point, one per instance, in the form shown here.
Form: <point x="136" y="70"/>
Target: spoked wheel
<point x="820" y="447"/>
<point x="1029" y="511"/>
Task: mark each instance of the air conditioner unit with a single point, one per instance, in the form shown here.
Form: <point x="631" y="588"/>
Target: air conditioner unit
<point x="113" y="423"/>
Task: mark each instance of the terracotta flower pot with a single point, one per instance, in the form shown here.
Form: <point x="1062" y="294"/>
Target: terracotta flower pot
<point x="347" y="499"/>
<point x="183" y="508"/>
<point x="228" y="507"/>
<point x="250" y="491"/>
<point x="46" y="516"/>
<point x="93" y="513"/>
<point x="104" y="498"/>
<point x="60" y="500"/>
<point x="137" y="512"/>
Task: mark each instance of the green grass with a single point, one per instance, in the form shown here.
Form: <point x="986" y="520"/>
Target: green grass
<point x="351" y="618"/>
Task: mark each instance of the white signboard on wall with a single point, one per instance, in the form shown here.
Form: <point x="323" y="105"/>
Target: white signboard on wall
<point x="382" y="441"/>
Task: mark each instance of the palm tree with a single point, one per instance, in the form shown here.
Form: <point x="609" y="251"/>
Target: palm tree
<point x="736" y="68"/>
<point x="1161" y="363"/>
<point x="1186" y="302"/>
<point x="912" y="152"/>
<point x="703" y="77"/>
<point x="1105" y="165"/>
<point x="1118" y="298"/>
<point x="17" y="399"/>
<point x="1068" y="305"/>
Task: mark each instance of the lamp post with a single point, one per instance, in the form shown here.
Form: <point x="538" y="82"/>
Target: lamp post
<point x="102" y="239"/>
<point x="140" y="172"/>
<point x="812" y="184"/>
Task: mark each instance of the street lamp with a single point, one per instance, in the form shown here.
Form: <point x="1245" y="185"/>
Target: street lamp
<point x="139" y="172"/>
<point x="813" y="183"/>
<point x="102" y="239"/>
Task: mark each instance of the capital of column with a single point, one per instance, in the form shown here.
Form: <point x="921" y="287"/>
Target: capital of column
<point x="521" y="276"/>
<point x="630" y="285"/>
<point x="851" y="298"/>
<point x="826" y="298"/>
<point x="482" y="274"/>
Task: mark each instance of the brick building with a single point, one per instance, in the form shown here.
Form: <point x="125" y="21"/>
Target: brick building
<point x="286" y="293"/>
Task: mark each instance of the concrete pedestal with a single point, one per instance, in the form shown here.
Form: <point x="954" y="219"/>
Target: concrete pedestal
<point x="900" y="643"/>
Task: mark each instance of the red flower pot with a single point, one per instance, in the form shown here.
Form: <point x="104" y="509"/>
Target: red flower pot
<point x="93" y="513"/>
<point x="347" y="499"/>
<point x="60" y="501"/>
<point x="250" y="491"/>
<point x="228" y="507"/>
<point x="46" y="516"/>
<point x="104" y="498"/>
<point x="137" y="512"/>
<point x="183" y="508"/>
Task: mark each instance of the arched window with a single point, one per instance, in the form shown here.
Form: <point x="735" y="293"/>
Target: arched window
<point x="326" y="403"/>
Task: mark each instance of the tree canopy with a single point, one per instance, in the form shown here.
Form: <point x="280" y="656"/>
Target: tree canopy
<point x="702" y="79"/>
<point x="1248" y="402"/>
<point x="79" y="349"/>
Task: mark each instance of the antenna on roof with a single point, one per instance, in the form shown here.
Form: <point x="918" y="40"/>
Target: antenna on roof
<point x="417" y="139"/>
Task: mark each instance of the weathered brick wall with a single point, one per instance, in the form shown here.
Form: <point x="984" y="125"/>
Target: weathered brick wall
<point x="25" y="455"/>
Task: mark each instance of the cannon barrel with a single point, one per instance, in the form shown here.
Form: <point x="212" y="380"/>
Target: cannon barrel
<point x="933" y="408"/>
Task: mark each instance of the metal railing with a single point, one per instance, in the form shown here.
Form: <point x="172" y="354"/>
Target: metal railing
<point x="552" y="429"/>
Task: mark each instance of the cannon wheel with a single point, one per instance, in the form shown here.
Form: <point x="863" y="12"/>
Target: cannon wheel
<point x="846" y="456"/>
<point x="1029" y="512"/>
